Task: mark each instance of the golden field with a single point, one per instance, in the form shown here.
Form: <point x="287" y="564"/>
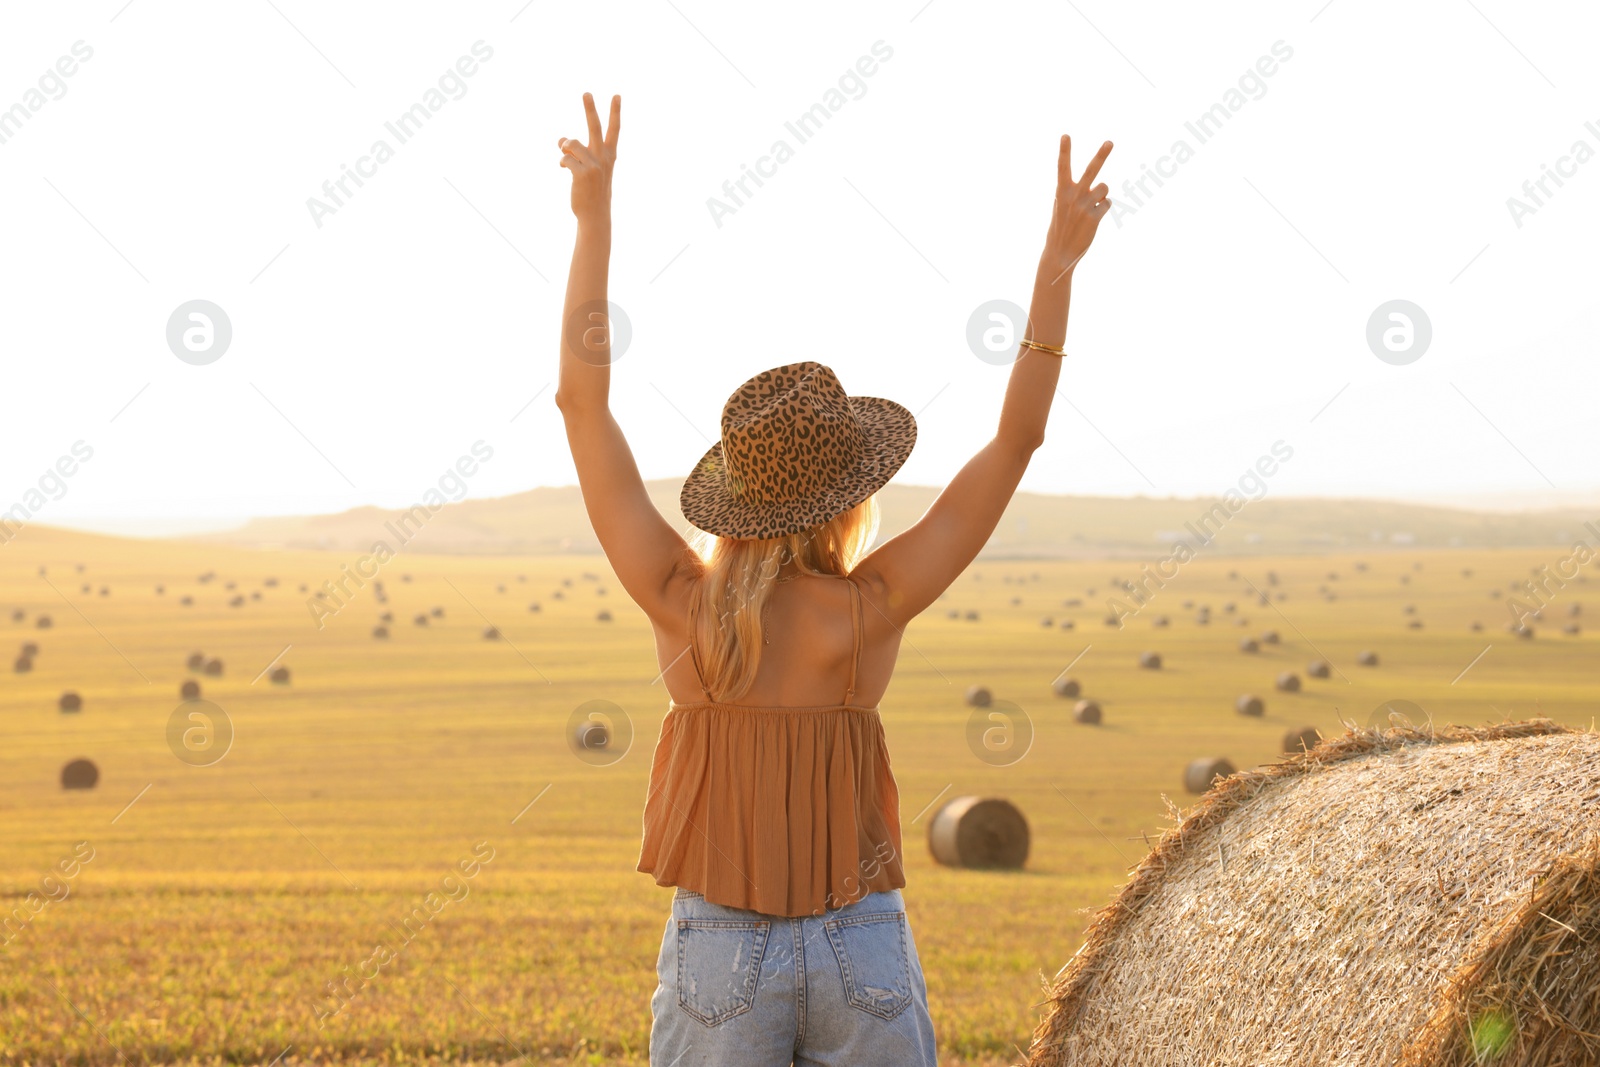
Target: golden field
<point x="218" y="907"/>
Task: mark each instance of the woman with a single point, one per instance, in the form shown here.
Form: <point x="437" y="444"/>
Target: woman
<point x="771" y="807"/>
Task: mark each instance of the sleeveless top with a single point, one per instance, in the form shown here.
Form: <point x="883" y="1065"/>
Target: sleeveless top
<point x="780" y="810"/>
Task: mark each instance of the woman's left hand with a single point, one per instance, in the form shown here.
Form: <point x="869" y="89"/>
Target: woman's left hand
<point x="591" y="163"/>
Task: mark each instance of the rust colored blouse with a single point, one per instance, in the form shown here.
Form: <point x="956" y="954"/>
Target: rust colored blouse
<point x="781" y="810"/>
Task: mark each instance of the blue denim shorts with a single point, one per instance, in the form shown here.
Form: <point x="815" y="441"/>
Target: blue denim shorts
<point x="740" y="987"/>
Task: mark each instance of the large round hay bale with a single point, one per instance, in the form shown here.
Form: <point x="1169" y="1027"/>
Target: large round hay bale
<point x="1318" y="668"/>
<point x="1150" y="661"/>
<point x="1198" y="776"/>
<point x="189" y="690"/>
<point x="1250" y="704"/>
<point x="1451" y="877"/>
<point x="23" y="665"/>
<point x="213" y="667"/>
<point x="79" y="774"/>
<point x="978" y="696"/>
<point x="1086" y="712"/>
<point x="279" y="676"/>
<point x="1302" y="740"/>
<point x="1248" y="644"/>
<point x="1288" y="682"/>
<point x="17" y="615"/>
<point x="982" y="833"/>
<point x="70" y="701"/>
<point x="1270" y="637"/>
<point x="42" y="622"/>
<point x="1367" y="659"/>
<point x="196" y="661"/>
<point x="380" y="632"/>
<point x="30" y="649"/>
<point x="491" y="633"/>
<point x="1066" y="687"/>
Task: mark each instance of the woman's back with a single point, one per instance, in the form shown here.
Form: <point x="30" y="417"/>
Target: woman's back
<point x="825" y="643"/>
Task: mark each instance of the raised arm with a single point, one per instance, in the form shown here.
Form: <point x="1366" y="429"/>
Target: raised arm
<point x="642" y="546"/>
<point x="913" y="568"/>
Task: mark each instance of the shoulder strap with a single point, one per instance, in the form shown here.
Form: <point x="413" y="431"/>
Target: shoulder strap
<point x="694" y="657"/>
<point x="857" y="625"/>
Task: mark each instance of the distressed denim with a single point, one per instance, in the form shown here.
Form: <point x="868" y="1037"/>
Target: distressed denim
<point x="742" y="988"/>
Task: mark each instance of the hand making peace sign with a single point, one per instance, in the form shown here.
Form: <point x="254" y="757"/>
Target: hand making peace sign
<point x="1079" y="207"/>
<point x="591" y="163"/>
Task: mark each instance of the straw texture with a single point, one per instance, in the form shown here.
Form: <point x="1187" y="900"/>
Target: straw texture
<point x="1412" y="897"/>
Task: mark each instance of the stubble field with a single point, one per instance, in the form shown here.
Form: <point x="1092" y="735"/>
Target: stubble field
<point x="219" y="902"/>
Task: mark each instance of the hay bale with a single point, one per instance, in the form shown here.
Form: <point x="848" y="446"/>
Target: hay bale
<point x="387" y="616"/>
<point x="1452" y="877"/>
<point x="79" y="774"/>
<point x="1571" y="629"/>
<point x="1047" y="621"/>
<point x="1250" y="704"/>
<point x="1150" y="661"/>
<point x="30" y="649"/>
<point x="213" y="667"/>
<point x="1476" y="626"/>
<point x="1160" y="621"/>
<point x="70" y="702"/>
<point x="535" y="607"/>
<point x="491" y="634"/>
<point x="1248" y="644"/>
<point x="196" y="661"/>
<point x="380" y="632"/>
<point x="972" y="616"/>
<point x="1318" y="668"/>
<point x="23" y="665"/>
<point x="1198" y="776"/>
<point x="603" y="616"/>
<point x="17" y="615"/>
<point x="189" y="690"/>
<point x="1302" y="740"/>
<point x="1288" y="682"/>
<point x="979" y="696"/>
<point x="592" y="735"/>
<point x="1066" y="687"/>
<point x="279" y="676"/>
<point x="979" y="833"/>
<point x="421" y="620"/>
<point x="186" y="602"/>
<point x="43" y="622"/>
<point x="236" y="601"/>
<point x="1068" y="624"/>
<point x="437" y="613"/>
<point x="1367" y="659"/>
<point x="1086" y="712"/>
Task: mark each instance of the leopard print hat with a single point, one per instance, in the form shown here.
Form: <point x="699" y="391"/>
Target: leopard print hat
<point x="795" y="452"/>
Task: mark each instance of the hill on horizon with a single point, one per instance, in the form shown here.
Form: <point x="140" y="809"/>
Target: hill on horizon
<point x="552" y="521"/>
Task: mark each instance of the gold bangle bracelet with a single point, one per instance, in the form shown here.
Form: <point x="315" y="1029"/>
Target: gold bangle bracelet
<point x="1029" y="343"/>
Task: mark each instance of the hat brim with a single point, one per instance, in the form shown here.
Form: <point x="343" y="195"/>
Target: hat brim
<point x="709" y="503"/>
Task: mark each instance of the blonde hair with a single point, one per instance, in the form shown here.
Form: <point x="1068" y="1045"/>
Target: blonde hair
<point x="737" y="578"/>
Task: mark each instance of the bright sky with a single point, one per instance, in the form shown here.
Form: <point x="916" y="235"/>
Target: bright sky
<point x="1359" y="153"/>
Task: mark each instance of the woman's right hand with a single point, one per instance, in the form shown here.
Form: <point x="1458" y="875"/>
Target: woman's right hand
<point x="1079" y="207"/>
<point x="591" y="163"/>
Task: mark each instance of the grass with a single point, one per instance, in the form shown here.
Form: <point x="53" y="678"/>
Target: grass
<point x="219" y="906"/>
